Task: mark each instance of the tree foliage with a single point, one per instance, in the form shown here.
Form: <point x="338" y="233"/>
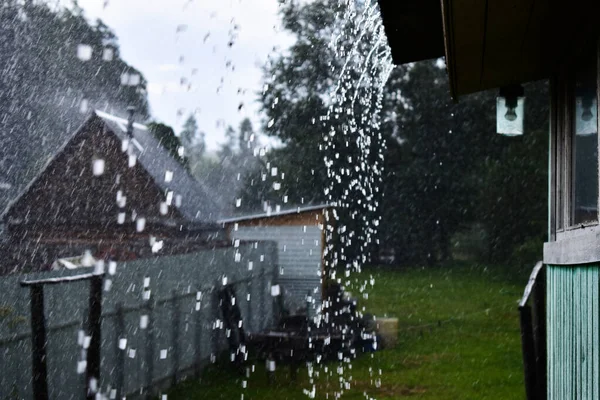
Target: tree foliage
<point x="167" y="138"/>
<point x="225" y="172"/>
<point x="46" y="90"/>
<point x="445" y="167"/>
<point x="293" y="105"/>
<point x="192" y="139"/>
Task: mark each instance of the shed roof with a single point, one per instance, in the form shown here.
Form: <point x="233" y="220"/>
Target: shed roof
<point x="275" y="214"/>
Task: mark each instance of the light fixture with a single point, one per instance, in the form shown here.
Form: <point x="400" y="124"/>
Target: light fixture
<point x="587" y="115"/>
<point x="586" y="112"/>
<point x="510" y="107"/>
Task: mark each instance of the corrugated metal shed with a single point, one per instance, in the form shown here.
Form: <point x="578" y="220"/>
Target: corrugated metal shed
<point x="299" y="235"/>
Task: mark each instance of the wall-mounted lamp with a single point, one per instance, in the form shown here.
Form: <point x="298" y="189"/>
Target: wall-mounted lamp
<point x="510" y="110"/>
<point x="586" y="112"/>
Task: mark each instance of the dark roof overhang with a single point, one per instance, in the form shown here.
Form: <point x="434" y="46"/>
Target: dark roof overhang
<point x="413" y="28"/>
<point x="491" y="43"/>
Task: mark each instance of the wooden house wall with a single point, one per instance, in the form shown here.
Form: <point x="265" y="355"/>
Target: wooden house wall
<point x="300" y="243"/>
<point x="68" y="210"/>
<point x="67" y="196"/>
<point x="573" y="336"/>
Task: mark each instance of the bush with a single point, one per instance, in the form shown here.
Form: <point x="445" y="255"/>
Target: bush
<point x="470" y="244"/>
<point x="528" y="253"/>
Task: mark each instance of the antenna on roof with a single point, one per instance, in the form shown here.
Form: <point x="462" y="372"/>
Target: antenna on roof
<point x="130" y="112"/>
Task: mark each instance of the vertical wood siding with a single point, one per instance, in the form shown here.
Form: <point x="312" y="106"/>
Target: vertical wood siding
<point x="300" y="258"/>
<point x="573" y="332"/>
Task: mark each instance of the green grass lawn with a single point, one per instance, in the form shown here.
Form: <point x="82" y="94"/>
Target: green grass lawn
<point x="459" y="339"/>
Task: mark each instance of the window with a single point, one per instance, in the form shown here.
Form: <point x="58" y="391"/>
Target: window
<point x="584" y="143"/>
<point x="576" y="145"/>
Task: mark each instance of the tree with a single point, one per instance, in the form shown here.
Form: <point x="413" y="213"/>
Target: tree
<point x="513" y="206"/>
<point x="191" y="138"/>
<point x="247" y="140"/>
<point x="229" y="148"/>
<point x="47" y="90"/>
<point x="430" y="179"/>
<point x="325" y="116"/>
<point x="298" y="82"/>
<point x="441" y="157"/>
<point x="167" y="138"/>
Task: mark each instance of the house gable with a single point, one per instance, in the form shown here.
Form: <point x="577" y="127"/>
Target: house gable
<point x="68" y="195"/>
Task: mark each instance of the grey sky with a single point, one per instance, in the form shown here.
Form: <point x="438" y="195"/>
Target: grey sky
<point x="172" y="41"/>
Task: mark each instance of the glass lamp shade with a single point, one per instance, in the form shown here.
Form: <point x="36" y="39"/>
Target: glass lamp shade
<point x="509" y="120"/>
<point x="586" y="116"/>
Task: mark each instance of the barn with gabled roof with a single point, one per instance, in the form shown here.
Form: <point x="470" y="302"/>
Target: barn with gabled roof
<point x="111" y="187"/>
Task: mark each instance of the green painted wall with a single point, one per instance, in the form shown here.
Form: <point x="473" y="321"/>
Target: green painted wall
<point x="573" y="325"/>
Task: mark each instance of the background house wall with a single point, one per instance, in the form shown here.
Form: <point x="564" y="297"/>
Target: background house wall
<point x="67" y="192"/>
<point x="300" y="244"/>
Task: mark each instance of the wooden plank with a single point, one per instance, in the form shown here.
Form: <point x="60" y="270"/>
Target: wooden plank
<point x="590" y="332"/>
<point x="554" y="352"/>
<point x="467" y="43"/>
<point x="59" y="280"/>
<point x="95" y="332"/>
<point x="549" y="325"/>
<point x="537" y="49"/>
<point x="564" y="362"/>
<point x="593" y="271"/>
<point x="580" y="363"/>
<point x="309" y="218"/>
<point x="502" y="58"/>
<point x="555" y="296"/>
<point x="584" y="338"/>
<point x="577" y="342"/>
<point x="38" y="338"/>
<point x="571" y="345"/>
<point x="558" y="293"/>
<point x="551" y="296"/>
<point x="568" y="344"/>
<point x="595" y="339"/>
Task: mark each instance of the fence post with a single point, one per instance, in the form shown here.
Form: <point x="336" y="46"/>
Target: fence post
<point x="262" y="306"/>
<point x="198" y="337"/>
<point x="528" y="347"/>
<point x="215" y="316"/>
<point x="249" y="306"/>
<point x="38" y="329"/>
<point x="539" y="331"/>
<point x="175" y="324"/>
<point x="308" y="305"/>
<point x="120" y="353"/>
<point x="150" y="347"/>
<point x="95" y="331"/>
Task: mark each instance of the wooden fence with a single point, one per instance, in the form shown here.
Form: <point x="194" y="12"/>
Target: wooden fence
<point x="160" y="321"/>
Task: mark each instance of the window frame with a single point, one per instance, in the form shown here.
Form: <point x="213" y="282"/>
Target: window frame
<point x="562" y="160"/>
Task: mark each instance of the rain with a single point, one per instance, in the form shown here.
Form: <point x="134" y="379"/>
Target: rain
<point x="293" y="199"/>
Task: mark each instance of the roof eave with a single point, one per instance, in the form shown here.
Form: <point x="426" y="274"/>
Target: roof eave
<point x="409" y="19"/>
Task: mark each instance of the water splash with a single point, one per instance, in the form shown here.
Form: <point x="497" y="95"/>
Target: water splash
<point x="354" y="129"/>
<point x="353" y="149"/>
